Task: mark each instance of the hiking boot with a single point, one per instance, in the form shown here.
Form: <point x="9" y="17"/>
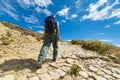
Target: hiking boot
<point x="54" y="60"/>
<point x="39" y="64"/>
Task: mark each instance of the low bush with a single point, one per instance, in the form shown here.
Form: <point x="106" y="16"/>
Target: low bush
<point x="76" y="42"/>
<point x="9" y="34"/>
<point x="5" y="40"/>
<point x="99" y="47"/>
<point x="74" y="70"/>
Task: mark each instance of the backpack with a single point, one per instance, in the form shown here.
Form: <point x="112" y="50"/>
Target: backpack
<point x="50" y="26"/>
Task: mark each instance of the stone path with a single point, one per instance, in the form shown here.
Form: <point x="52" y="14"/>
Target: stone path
<point x="91" y="65"/>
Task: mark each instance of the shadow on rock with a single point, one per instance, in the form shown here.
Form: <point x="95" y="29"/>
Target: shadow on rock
<point x="19" y="65"/>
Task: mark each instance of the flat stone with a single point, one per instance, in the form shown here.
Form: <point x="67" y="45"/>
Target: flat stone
<point x="74" y="57"/>
<point x="54" y="75"/>
<point x="90" y="79"/>
<point x="45" y="76"/>
<point x="30" y="75"/>
<point x="67" y="77"/>
<point x="100" y="78"/>
<point x="66" y="69"/>
<point x="116" y="75"/>
<point x="34" y="78"/>
<point x="118" y="71"/>
<point x="114" y="70"/>
<point x="40" y="71"/>
<point x="61" y="61"/>
<point x="20" y="77"/>
<point x="82" y="68"/>
<point x="83" y="74"/>
<point x="70" y="61"/>
<point x="61" y="72"/>
<point x="53" y="65"/>
<point x="107" y="71"/>
<point x="107" y="76"/>
<point x="91" y="73"/>
<point x="8" y="77"/>
<point x="101" y="72"/>
<point x="93" y="68"/>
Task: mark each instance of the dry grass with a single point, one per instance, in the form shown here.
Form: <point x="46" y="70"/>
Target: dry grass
<point x="99" y="47"/>
<point x="37" y="35"/>
<point x="74" y="70"/>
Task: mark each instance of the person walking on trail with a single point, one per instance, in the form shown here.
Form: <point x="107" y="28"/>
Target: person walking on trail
<point x="51" y="35"/>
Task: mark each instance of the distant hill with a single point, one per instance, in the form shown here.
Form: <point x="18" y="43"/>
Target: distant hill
<point x="37" y="35"/>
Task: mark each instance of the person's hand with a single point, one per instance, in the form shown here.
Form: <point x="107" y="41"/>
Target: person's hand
<point x="58" y="39"/>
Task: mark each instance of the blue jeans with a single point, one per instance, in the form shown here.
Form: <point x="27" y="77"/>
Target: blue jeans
<point x="48" y="39"/>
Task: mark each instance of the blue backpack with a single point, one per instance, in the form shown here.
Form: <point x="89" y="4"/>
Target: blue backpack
<point x="49" y="24"/>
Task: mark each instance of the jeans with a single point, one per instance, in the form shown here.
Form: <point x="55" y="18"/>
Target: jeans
<point x="48" y="39"/>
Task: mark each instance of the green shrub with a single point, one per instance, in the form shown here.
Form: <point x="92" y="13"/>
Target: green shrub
<point x="9" y="34"/>
<point x="5" y="40"/>
<point x="12" y="40"/>
<point x="76" y="42"/>
<point x="98" y="46"/>
<point x="74" y="70"/>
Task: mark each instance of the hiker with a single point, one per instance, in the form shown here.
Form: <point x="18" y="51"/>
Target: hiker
<point x="51" y="35"/>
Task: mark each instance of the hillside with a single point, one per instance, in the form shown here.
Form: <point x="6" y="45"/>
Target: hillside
<point x="19" y="49"/>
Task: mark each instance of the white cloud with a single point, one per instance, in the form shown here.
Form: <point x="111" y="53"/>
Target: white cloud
<point x="38" y="3"/>
<point x="28" y="2"/>
<point x="118" y="22"/>
<point x="118" y="45"/>
<point x="107" y="26"/>
<point x="105" y="13"/>
<point x="42" y="27"/>
<point x="105" y="40"/>
<point x="24" y="4"/>
<point x="30" y="27"/>
<point x="63" y="12"/>
<point x="94" y="7"/>
<point x="41" y="31"/>
<point x="74" y="16"/>
<point x="63" y="21"/>
<point x="46" y="11"/>
<point x="115" y="13"/>
<point x="68" y="40"/>
<point x="31" y="19"/>
<point x="8" y="9"/>
<point x="78" y="3"/>
<point x="43" y="3"/>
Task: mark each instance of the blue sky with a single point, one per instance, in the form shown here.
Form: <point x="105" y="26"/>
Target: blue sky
<point x="78" y="19"/>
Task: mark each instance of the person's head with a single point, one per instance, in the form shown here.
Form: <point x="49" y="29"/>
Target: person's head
<point x="53" y="16"/>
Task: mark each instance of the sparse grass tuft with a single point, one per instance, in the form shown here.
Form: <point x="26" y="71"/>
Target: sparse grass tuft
<point x="9" y="34"/>
<point x="5" y="40"/>
<point x="74" y="70"/>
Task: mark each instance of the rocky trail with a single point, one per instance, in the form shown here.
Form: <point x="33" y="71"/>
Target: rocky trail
<point x="18" y="61"/>
<point x="22" y="65"/>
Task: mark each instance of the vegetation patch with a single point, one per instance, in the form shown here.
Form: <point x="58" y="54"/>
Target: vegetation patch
<point x="5" y="40"/>
<point x="74" y="70"/>
<point x="99" y="47"/>
<point x="37" y="35"/>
